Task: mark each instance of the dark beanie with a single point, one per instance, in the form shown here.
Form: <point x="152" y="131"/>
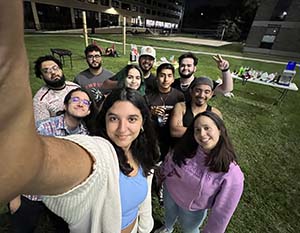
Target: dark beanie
<point x="202" y="80"/>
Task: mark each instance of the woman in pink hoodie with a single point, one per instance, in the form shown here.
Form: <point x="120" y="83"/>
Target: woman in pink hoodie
<point x="201" y="174"/>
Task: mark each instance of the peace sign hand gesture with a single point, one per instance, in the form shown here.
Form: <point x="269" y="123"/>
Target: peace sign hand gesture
<point x="222" y="64"/>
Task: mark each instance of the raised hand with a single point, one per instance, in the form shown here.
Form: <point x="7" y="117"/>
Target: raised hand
<point x="222" y="64"/>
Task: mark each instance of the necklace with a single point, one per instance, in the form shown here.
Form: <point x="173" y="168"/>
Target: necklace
<point x="163" y="97"/>
<point x="185" y="85"/>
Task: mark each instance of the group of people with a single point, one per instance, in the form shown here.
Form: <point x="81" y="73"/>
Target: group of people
<point x="111" y="130"/>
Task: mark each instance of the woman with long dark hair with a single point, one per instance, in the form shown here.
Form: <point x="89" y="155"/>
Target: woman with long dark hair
<point x="133" y="78"/>
<point x="200" y="174"/>
<point x="125" y="121"/>
<point x="144" y="148"/>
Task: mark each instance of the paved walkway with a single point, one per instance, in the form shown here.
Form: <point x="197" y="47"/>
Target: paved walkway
<point x="198" y="52"/>
<point x="197" y="41"/>
<point x="182" y="50"/>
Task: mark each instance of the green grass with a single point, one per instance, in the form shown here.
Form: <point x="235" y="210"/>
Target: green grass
<point x="266" y="136"/>
<point x="133" y="39"/>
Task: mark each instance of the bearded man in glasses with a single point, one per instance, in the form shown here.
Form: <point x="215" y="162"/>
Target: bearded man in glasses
<point x="49" y="98"/>
<point x="93" y="77"/>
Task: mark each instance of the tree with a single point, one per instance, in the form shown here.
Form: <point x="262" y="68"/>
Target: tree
<point x="247" y="14"/>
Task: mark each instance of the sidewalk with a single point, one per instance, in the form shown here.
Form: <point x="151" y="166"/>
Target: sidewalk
<point x="197" y="41"/>
<point x="198" y="52"/>
<point x="186" y="39"/>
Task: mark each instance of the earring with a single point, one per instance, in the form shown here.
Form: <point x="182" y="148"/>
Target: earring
<point x="142" y="129"/>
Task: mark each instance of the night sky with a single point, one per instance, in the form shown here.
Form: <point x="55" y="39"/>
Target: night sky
<point x="213" y="14"/>
<point x="197" y="3"/>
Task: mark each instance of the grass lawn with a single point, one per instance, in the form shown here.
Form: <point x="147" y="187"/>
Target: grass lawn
<point x="266" y="136"/>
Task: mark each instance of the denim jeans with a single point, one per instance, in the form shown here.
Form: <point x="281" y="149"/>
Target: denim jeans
<point x="190" y="221"/>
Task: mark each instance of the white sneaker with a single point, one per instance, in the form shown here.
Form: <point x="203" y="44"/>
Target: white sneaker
<point x="163" y="229"/>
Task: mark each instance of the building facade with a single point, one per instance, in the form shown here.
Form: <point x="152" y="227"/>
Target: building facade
<point x="276" y="29"/>
<point x="67" y="14"/>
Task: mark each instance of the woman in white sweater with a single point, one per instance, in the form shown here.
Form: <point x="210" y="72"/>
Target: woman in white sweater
<point x="78" y="176"/>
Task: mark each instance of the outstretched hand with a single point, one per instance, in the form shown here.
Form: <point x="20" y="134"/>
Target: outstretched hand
<point x="221" y="63"/>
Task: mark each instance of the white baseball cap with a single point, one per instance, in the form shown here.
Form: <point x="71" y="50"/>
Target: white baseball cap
<point x="148" y="50"/>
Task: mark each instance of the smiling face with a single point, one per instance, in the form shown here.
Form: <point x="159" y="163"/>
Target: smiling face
<point x="133" y="79"/>
<point x="187" y="68"/>
<point x="123" y="123"/>
<point x="165" y="78"/>
<point x="200" y="94"/>
<point x="78" y="105"/>
<point x="206" y="133"/>
<point x="146" y="63"/>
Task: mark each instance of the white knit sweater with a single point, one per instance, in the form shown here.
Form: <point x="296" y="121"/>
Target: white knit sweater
<point x="94" y="206"/>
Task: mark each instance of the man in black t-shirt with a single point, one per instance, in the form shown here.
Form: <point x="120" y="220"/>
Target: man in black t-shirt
<point x="187" y="68"/>
<point x="161" y="102"/>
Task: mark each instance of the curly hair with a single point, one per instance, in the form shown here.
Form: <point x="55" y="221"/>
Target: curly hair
<point x="144" y="148"/>
<point x="40" y="60"/>
<point x="219" y="158"/>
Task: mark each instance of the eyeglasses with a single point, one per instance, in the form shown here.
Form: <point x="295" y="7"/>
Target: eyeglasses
<point x="91" y="57"/>
<point x="50" y="69"/>
<point x="78" y="100"/>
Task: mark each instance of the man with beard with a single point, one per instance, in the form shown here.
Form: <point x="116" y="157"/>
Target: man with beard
<point x="201" y="91"/>
<point x="145" y="62"/>
<point x="187" y="68"/>
<point x="92" y="78"/>
<point x="49" y="98"/>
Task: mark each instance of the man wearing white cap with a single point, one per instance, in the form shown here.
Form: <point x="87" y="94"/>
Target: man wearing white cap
<point x="146" y="62"/>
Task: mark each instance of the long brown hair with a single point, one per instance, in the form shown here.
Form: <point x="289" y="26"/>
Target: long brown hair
<point x="144" y="148"/>
<point x="219" y="158"/>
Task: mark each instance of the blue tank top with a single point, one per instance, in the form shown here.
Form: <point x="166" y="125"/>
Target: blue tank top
<point x="133" y="191"/>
